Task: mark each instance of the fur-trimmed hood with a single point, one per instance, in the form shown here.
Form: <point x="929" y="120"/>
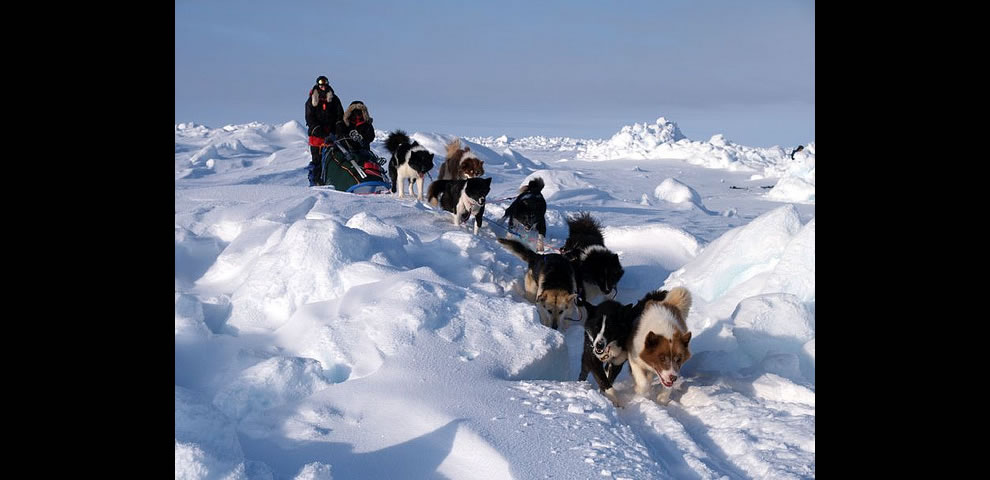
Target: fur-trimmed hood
<point x="356" y="105"/>
<point x="314" y="96"/>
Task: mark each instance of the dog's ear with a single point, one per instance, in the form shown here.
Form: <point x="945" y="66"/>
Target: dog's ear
<point x="572" y="299"/>
<point x="680" y="299"/>
<point x="686" y="338"/>
<point x="542" y="297"/>
<point x="652" y="340"/>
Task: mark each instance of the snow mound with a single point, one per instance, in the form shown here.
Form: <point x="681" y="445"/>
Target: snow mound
<point x="206" y="444"/>
<point x="673" y="191"/>
<point x="797" y="178"/>
<point x="193" y="254"/>
<point x="268" y="384"/>
<point x="336" y="333"/>
<point x="754" y="294"/>
<point x="292" y="130"/>
<point x="791" y="189"/>
<point x="189" y="318"/>
<point x="191" y="130"/>
<point x="795" y="271"/>
<point x="681" y="196"/>
<point x="740" y="255"/>
<point x="636" y="141"/>
<point x="663" y="140"/>
<point x="271" y="269"/>
<point x="773" y="387"/>
<point x="770" y="324"/>
<point x="315" y="471"/>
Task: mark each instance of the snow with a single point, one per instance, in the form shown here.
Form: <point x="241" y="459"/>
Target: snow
<point x="673" y="191"/>
<point x="324" y="335"/>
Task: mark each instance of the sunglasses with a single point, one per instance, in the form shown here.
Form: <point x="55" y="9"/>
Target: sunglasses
<point x="322" y="84"/>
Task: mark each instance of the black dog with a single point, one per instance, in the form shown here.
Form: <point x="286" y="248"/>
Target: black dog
<point x="462" y="198"/>
<point x="530" y="209"/>
<point x="410" y="160"/>
<point x="606" y="332"/>
<point x="597" y="266"/>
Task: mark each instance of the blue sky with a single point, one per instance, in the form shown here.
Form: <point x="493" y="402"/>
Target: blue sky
<point x="572" y="68"/>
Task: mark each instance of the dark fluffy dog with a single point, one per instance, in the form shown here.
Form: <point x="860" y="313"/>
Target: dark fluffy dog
<point x="461" y="163"/>
<point x="607" y="331"/>
<point x="410" y="160"/>
<point x="530" y="209"/>
<point x="463" y="198"/>
<point x="597" y="266"/>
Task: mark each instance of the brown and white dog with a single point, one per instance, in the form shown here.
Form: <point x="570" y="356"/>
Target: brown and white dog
<point x="659" y="341"/>
<point x="461" y="163"/>
<point x="549" y="283"/>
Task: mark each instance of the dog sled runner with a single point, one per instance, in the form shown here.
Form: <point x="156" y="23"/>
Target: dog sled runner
<point x="352" y="170"/>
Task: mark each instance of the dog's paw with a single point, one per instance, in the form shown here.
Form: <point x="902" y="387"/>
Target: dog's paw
<point x="663" y="398"/>
<point x="610" y="393"/>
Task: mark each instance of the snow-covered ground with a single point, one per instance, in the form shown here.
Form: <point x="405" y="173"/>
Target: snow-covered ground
<point x="320" y="334"/>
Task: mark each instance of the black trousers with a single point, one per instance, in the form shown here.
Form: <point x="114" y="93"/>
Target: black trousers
<point x="315" y="166"/>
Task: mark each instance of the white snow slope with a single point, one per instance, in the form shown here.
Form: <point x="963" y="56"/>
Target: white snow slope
<point x="320" y="334"/>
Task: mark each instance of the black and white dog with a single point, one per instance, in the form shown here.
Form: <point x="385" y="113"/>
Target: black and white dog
<point x="607" y="332"/>
<point x="410" y="160"/>
<point x="463" y="198"/>
<point x="597" y="266"/>
<point x="529" y="209"/>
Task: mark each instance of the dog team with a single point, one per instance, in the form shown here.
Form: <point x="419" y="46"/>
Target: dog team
<point x="651" y="335"/>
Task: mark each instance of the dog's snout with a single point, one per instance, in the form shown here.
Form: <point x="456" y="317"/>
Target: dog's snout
<point x="600" y="347"/>
<point x="673" y="378"/>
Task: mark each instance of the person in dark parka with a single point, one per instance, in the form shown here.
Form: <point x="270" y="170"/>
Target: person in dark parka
<point x="356" y="126"/>
<point x="323" y="111"/>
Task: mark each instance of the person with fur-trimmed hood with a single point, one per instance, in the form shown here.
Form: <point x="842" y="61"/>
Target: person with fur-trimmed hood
<point x="323" y="111"/>
<point x="356" y="126"/>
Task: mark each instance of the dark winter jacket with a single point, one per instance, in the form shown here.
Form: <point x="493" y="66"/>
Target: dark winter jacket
<point x="323" y="111"/>
<point x="362" y="132"/>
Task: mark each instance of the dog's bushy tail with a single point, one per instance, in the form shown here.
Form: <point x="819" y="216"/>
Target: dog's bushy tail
<point x="518" y="249"/>
<point x="534" y="186"/>
<point x="454" y="146"/>
<point x="585" y="231"/>
<point x="680" y="299"/>
<point x="395" y="139"/>
<point x="433" y="194"/>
